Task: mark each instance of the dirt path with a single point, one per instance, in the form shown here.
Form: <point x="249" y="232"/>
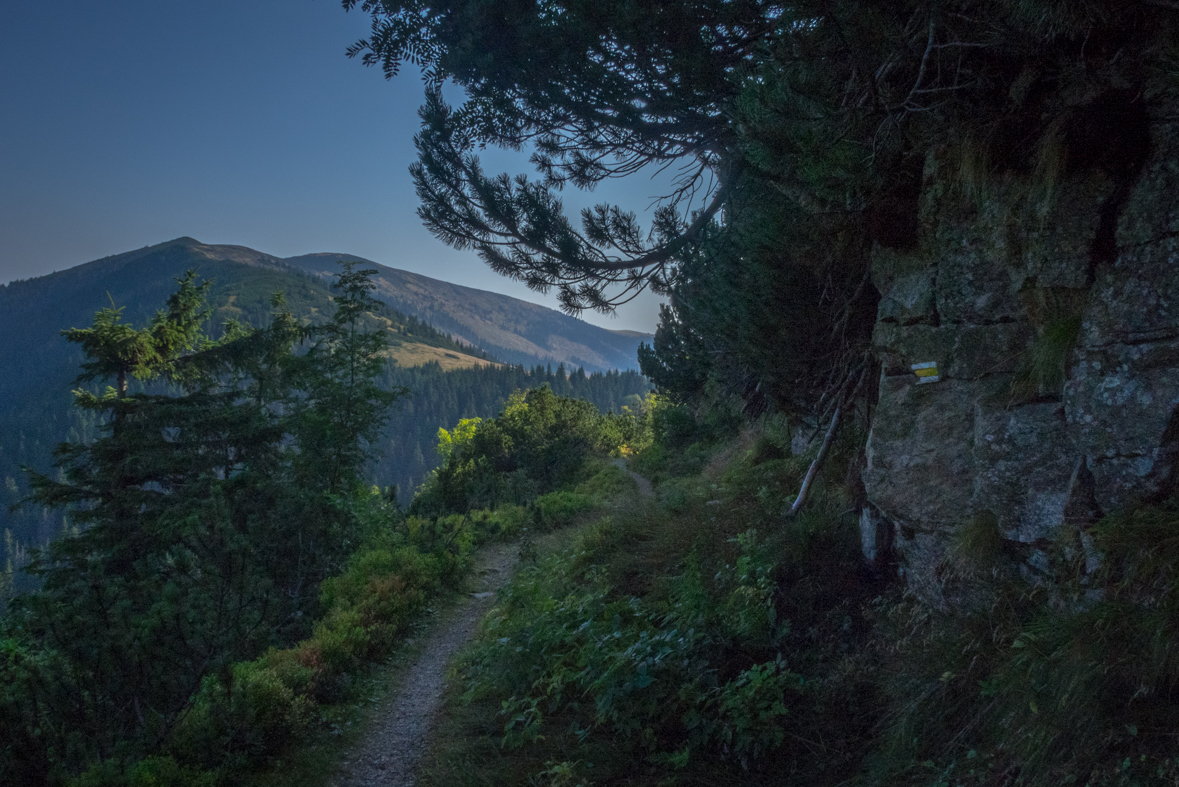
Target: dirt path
<point x="645" y="488"/>
<point x="389" y="754"/>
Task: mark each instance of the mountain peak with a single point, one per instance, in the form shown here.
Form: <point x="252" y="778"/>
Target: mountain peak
<point x="513" y="330"/>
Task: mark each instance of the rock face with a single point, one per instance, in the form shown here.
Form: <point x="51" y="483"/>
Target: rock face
<point x="1054" y="322"/>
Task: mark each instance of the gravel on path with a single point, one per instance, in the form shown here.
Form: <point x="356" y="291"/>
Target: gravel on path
<point x="389" y="753"/>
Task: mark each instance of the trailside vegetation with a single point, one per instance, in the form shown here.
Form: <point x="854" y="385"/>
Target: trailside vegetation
<point x="705" y="637"/>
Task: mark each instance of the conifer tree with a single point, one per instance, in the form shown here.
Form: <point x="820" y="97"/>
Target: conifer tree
<point x="207" y="516"/>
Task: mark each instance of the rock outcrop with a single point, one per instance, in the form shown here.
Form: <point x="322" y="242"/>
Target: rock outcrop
<point x="1054" y="321"/>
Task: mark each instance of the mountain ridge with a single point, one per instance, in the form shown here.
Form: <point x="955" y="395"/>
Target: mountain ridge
<point x="523" y="332"/>
<point x="513" y="330"/>
<point x="449" y="379"/>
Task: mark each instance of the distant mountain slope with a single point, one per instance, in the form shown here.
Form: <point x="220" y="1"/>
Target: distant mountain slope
<point x="33" y="311"/>
<point x="38" y="367"/>
<point x="513" y="330"/>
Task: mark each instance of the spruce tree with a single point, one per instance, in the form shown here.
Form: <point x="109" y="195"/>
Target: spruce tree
<point x="207" y="512"/>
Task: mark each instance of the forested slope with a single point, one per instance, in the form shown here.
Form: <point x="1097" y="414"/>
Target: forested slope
<point x="231" y="574"/>
<point x="38" y="366"/>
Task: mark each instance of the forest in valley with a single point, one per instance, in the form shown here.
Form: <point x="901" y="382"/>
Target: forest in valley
<point x="235" y="578"/>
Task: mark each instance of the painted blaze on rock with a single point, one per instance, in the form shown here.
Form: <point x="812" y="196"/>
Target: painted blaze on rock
<point x="926" y="372"/>
<point x="1058" y="370"/>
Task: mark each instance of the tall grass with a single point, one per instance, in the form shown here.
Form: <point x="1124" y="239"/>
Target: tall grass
<point x="1067" y="683"/>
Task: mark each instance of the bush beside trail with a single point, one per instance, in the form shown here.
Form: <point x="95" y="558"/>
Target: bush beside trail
<point x="704" y="638"/>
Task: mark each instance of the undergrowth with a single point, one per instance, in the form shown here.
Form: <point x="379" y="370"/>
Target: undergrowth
<point x="701" y="638"/>
<point x="691" y="640"/>
<point x="259" y="717"/>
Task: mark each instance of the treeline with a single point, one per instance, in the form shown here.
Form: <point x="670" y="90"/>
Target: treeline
<point x="440" y="399"/>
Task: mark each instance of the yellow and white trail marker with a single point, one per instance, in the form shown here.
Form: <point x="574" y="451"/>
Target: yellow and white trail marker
<point x="926" y="372"/>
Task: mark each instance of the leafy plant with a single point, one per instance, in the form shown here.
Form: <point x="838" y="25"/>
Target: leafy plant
<point x="559" y="509"/>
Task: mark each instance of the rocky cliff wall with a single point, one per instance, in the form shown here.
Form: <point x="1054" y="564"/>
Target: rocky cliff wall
<point x="1052" y="313"/>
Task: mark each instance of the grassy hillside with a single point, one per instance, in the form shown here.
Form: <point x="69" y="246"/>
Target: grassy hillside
<point x="704" y="638"/>
<point x="513" y="330"/>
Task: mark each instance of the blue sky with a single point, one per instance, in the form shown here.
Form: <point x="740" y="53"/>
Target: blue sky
<point x="125" y="123"/>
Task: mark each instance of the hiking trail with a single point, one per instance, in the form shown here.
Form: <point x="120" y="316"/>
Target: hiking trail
<point x="389" y="753"/>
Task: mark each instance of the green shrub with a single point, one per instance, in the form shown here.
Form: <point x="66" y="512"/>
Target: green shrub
<point x="749" y="612"/>
<point x="560" y="509"/>
<point x="651" y="462"/>
<point x="507" y="521"/>
<point x="659" y="463"/>
<point x="264" y="712"/>
<point x="674" y="425"/>
<point x="607" y="482"/>
<point x="149" y="772"/>
<point x="232" y="726"/>
<point x="540" y="442"/>
<point x="366" y="609"/>
<point x="751" y="707"/>
<point x="385" y="584"/>
<point x="449" y="540"/>
<point x="640" y="676"/>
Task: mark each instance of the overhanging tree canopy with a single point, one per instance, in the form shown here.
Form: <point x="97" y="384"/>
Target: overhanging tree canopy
<point x="822" y="111"/>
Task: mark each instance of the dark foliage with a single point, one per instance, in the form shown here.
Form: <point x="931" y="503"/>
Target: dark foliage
<point x="203" y="521"/>
<point x="809" y="123"/>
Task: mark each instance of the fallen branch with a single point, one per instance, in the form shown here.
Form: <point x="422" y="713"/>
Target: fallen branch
<point x="803" y="491"/>
<point x="832" y="429"/>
